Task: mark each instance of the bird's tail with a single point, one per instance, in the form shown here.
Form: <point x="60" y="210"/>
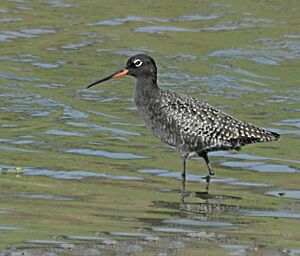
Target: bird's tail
<point x="257" y="134"/>
<point x="270" y="136"/>
<point x="274" y="136"/>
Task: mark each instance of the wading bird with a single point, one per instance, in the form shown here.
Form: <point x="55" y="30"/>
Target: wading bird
<point x="190" y="125"/>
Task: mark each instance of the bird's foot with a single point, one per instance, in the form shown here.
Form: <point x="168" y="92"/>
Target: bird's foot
<point x="207" y="178"/>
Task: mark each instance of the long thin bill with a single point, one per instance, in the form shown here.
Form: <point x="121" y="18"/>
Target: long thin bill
<point x="122" y="72"/>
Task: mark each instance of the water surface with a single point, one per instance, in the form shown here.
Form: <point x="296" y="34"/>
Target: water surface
<point x="79" y="172"/>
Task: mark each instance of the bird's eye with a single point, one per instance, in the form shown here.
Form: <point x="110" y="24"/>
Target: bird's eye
<point x="137" y="63"/>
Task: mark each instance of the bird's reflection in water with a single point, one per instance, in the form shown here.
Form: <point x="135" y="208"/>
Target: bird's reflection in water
<point x="207" y="202"/>
<point x="207" y="179"/>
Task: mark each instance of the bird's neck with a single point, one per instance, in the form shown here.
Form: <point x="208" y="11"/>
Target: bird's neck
<point x="146" y="89"/>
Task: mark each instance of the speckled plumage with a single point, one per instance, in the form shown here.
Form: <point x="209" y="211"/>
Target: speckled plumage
<point x="194" y="126"/>
<point x="190" y="125"/>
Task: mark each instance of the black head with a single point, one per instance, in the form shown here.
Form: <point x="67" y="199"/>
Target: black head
<point x="140" y="66"/>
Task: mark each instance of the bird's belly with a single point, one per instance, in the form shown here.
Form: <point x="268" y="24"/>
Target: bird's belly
<point x="160" y="126"/>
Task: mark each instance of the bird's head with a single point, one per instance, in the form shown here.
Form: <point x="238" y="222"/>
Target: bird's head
<point x="140" y="66"/>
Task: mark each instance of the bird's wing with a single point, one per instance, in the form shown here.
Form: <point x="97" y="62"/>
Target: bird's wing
<point x="208" y="128"/>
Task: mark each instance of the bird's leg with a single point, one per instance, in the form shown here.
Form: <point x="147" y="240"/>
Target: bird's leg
<point x="210" y="170"/>
<point x="183" y="174"/>
<point x="207" y="178"/>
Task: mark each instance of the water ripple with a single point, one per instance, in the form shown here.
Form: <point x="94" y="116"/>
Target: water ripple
<point x="103" y="128"/>
<point x="65" y="133"/>
<point x="272" y="52"/>
<point x="59" y="4"/>
<point x="70" y="113"/>
<point x="6" y="228"/>
<point x="201" y="179"/>
<point x="292" y="194"/>
<point x="273" y="214"/>
<point x="30" y="103"/>
<point x="200" y="223"/>
<point x="260" y="167"/>
<point x="24" y="33"/>
<point x="139" y="19"/>
<point x="18" y="78"/>
<point x="15" y="149"/>
<point x="288" y="122"/>
<point x="37" y="196"/>
<point x="10" y="19"/>
<point x="159" y="29"/>
<point x="104" y="153"/>
<point x="77" y="46"/>
<point x="76" y="175"/>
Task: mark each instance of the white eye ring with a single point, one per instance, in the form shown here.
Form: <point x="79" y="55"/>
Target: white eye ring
<point x="137" y="62"/>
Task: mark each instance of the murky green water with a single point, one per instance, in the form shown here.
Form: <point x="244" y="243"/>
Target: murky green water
<point x="81" y="175"/>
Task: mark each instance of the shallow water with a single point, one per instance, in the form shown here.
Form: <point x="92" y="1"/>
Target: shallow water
<point x="79" y="172"/>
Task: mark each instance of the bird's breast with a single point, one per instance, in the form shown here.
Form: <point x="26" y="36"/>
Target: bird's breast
<point x="157" y="120"/>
